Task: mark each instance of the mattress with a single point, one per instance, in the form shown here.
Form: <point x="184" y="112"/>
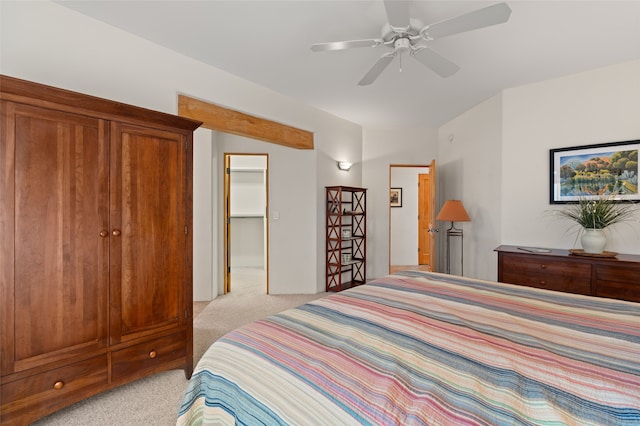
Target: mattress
<point x="427" y="348"/>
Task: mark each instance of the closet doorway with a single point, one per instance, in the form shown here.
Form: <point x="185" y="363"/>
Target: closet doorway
<point x="246" y="227"/>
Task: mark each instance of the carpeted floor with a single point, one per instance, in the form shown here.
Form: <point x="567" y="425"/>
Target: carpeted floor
<point x="155" y="400"/>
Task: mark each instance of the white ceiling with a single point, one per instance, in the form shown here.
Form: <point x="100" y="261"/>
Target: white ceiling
<point x="267" y="42"/>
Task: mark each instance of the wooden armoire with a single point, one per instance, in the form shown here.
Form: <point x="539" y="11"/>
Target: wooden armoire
<point x="95" y="246"/>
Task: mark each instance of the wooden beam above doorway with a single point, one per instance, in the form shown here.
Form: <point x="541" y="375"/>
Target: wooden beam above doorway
<point x="226" y="120"/>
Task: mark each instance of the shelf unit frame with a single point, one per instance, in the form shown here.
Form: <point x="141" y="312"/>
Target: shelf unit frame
<point x="346" y="256"/>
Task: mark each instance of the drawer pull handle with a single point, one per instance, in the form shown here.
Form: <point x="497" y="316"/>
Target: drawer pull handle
<point x="153" y="354"/>
<point x="543" y="283"/>
<point x="58" y="385"/>
<point x="104" y="233"/>
<point x="543" y="266"/>
<point x="115" y="232"/>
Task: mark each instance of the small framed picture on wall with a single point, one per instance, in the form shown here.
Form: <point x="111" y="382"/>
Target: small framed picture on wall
<point x="395" y="197"/>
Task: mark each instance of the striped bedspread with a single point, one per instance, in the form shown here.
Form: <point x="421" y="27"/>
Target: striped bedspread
<point x="427" y="348"/>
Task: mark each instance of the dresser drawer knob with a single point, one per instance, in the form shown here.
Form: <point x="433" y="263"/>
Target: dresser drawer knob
<point x="58" y="385"/>
<point x="153" y="354"/>
<point x="104" y="233"/>
<point x="543" y="283"/>
<point x="543" y="266"/>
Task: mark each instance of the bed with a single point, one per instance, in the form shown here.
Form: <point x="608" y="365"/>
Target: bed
<point x="427" y="348"/>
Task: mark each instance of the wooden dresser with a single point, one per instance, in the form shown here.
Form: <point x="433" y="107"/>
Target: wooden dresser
<point x="616" y="278"/>
<point x="95" y="246"/>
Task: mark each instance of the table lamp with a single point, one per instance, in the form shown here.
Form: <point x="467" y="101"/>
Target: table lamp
<point x="454" y="211"/>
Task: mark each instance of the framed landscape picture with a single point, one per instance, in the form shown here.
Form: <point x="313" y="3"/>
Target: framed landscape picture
<point x="591" y="171"/>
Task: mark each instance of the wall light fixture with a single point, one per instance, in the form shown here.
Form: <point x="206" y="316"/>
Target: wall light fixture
<point x="344" y="165"/>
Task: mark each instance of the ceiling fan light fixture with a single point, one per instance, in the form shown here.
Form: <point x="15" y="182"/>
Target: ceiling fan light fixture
<point x="402" y="45"/>
<point x="401" y="31"/>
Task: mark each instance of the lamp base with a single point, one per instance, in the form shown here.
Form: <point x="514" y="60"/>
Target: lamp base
<point x="452" y="231"/>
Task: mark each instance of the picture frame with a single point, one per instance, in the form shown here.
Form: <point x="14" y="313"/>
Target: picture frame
<point x="395" y="197"/>
<point x="591" y="171"/>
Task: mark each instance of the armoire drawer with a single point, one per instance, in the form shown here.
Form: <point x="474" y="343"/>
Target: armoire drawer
<point x="53" y="386"/>
<point x="147" y="356"/>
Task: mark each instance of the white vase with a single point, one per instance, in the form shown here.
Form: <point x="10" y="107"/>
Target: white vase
<point x="593" y="240"/>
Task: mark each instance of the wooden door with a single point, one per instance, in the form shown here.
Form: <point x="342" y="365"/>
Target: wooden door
<point x="426" y="217"/>
<point x="54" y="250"/>
<point x="227" y="223"/>
<point x="148" y="226"/>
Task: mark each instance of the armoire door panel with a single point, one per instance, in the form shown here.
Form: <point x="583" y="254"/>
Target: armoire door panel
<point x="60" y="263"/>
<point x="7" y="233"/>
<point x="148" y="213"/>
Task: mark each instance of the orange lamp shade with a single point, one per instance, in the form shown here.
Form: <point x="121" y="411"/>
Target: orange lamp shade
<point x="453" y="211"/>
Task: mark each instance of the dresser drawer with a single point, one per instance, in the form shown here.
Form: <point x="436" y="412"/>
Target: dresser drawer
<point x="71" y="382"/>
<point x="563" y="270"/>
<point x="546" y="272"/>
<point x="618" y="282"/>
<point x="523" y="265"/>
<point x="139" y="359"/>
<point x="577" y="285"/>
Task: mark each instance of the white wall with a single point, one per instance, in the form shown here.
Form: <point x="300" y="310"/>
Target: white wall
<point x="48" y="43"/>
<point x="469" y="169"/>
<point x="204" y="216"/>
<point x="382" y="147"/>
<point x="498" y="159"/>
<point x="587" y="108"/>
<point x="292" y="188"/>
<point x="247" y="243"/>
<point x="336" y="148"/>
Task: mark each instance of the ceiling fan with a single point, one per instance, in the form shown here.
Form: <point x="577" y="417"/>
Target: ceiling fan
<point x="405" y="34"/>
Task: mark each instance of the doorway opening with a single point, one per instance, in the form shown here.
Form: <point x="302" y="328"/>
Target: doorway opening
<point x="246" y="229"/>
<point x="412" y="220"/>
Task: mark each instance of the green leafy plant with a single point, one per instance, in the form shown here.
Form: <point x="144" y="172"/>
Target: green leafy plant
<point x="598" y="213"/>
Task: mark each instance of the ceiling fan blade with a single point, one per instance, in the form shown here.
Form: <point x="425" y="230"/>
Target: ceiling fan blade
<point x="490" y="15"/>
<point x="377" y="69"/>
<point x="435" y="62"/>
<point x="341" y="45"/>
<point x="398" y="13"/>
